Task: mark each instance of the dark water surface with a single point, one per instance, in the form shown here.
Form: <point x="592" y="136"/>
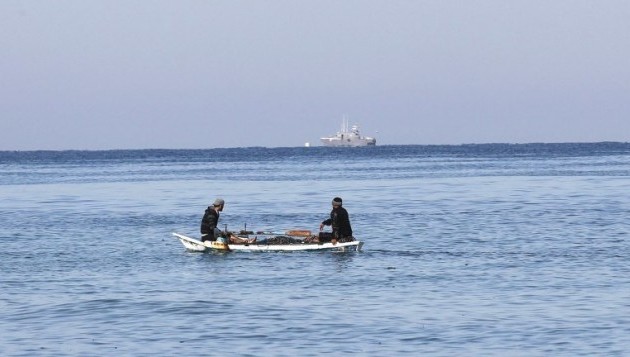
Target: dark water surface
<point x="469" y="250"/>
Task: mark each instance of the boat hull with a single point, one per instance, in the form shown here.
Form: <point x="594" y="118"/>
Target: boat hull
<point x="334" y="142"/>
<point x="199" y="246"/>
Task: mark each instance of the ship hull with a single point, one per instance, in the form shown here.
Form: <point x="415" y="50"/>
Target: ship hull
<point x="334" y="142"/>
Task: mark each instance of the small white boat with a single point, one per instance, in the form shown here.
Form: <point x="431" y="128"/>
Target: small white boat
<point x="199" y="246"/>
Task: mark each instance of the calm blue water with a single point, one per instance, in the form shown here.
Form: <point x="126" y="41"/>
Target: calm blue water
<point x="473" y="250"/>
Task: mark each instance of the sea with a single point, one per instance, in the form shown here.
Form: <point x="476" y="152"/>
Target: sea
<point x="469" y="250"/>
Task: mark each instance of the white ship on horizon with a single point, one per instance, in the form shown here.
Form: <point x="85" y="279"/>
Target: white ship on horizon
<point x="348" y="137"/>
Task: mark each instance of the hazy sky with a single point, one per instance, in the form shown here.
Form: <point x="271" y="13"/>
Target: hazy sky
<point x="204" y="74"/>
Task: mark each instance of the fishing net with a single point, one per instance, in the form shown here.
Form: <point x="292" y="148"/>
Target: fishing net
<point x="282" y="240"/>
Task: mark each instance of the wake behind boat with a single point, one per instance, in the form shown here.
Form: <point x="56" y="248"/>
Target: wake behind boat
<point x="219" y="245"/>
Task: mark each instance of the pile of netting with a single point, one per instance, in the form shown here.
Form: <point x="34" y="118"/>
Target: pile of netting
<point x="280" y="240"/>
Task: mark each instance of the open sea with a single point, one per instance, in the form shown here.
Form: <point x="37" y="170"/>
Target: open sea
<point x="471" y="250"/>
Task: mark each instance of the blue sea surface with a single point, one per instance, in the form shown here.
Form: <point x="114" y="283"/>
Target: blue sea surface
<point x="470" y="250"/>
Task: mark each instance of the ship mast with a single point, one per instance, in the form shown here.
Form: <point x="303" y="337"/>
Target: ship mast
<point x="344" y="124"/>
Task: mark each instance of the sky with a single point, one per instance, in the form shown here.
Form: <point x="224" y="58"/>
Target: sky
<point x="130" y="74"/>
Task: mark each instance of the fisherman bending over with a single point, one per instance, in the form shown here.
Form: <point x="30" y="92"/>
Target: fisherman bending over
<point x="340" y="222"/>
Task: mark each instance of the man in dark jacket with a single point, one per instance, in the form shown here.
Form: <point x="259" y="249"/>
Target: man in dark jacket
<point x="340" y="222"/>
<point x="210" y="220"/>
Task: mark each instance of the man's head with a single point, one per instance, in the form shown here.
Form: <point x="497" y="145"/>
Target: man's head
<point x="336" y="202"/>
<point x="218" y="204"/>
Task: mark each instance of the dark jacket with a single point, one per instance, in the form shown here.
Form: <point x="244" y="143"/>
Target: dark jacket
<point x="340" y="222"/>
<point x="209" y="223"/>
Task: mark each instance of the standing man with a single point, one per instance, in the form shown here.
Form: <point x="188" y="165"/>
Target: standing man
<point x="210" y="220"/>
<point x="340" y="222"/>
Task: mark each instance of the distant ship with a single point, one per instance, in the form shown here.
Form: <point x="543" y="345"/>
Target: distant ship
<point x="347" y="137"/>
